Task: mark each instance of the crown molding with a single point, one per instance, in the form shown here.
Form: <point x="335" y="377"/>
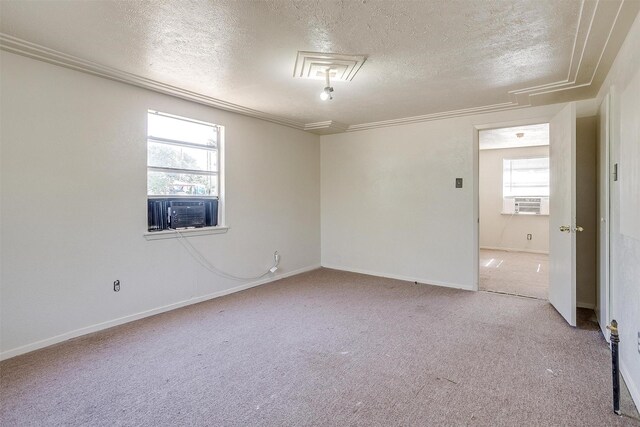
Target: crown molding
<point x="326" y="128"/>
<point x="594" y="34"/>
<point x="595" y="31"/>
<point x="438" y="116"/>
<point x="585" y="21"/>
<point x="31" y="50"/>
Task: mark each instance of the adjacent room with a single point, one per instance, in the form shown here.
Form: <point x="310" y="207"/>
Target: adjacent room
<point x="514" y="210"/>
<point x="319" y="213"/>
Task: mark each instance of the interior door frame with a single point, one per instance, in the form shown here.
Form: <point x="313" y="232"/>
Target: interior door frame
<point x="476" y="181"/>
<point x="604" y="247"/>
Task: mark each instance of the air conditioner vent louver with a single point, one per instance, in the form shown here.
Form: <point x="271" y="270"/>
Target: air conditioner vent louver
<point x="528" y="205"/>
<point x="187" y="214"/>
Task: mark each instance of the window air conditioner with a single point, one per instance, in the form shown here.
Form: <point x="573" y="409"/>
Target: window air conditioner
<point x="531" y="205"/>
<point x="186" y="214"/>
<point x="179" y="212"/>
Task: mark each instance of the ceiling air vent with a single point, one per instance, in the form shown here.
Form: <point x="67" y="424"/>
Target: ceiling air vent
<point x="314" y="65"/>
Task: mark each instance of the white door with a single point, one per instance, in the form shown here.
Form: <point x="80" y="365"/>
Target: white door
<point x="602" y="296"/>
<point x="562" y="213"/>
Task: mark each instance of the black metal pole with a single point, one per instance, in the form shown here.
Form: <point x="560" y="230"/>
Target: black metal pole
<point x="615" y="371"/>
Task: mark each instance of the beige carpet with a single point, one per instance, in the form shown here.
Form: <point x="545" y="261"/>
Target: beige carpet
<point x="325" y="348"/>
<point x="515" y="273"/>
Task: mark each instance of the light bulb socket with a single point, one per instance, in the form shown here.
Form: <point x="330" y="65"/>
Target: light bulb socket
<point x="326" y="93"/>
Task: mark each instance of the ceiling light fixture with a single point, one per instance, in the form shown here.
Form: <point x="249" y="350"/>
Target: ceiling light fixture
<point x="326" y="92"/>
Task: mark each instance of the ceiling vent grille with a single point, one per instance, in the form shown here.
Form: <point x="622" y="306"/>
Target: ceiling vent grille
<point x="314" y="65"/>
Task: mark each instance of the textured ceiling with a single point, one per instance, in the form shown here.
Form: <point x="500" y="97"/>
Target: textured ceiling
<point x="424" y="58"/>
<point x="533" y="135"/>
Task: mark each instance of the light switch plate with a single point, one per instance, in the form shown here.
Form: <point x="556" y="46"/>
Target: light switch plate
<point x="458" y="182"/>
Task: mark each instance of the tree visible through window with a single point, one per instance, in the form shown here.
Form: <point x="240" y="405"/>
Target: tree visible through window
<point x="183" y="173"/>
<point x="182" y="157"/>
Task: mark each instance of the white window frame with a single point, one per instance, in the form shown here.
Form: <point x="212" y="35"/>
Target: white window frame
<point x="507" y="199"/>
<point x="219" y="174"/>
<point x="178" y="143"/>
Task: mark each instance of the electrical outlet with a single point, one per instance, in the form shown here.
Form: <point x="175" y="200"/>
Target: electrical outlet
<point x="638" y="341"/>
<point x="458" y="182"/>
<point x="116" y="286"/>
<point x="529" y="236"/>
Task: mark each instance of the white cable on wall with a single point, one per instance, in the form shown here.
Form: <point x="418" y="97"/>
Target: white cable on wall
<point x="206" y="264"/>
<point x="504" y="229"/>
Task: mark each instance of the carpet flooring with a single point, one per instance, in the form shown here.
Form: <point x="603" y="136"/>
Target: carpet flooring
<point x="325" y="348"/>
<point x="515" y="273"/>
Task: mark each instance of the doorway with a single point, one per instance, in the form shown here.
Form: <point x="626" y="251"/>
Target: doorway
<point x="513" y="166"/>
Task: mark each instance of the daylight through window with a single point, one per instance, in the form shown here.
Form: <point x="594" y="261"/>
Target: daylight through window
<point x="182" y="157"/>
<point x="525" y="186"/>
<point x="527" y="177"/>
<point x="183" y="172"/>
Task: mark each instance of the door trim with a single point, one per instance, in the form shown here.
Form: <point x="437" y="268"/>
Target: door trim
<point x="604" y="173"/>
<point x="476" y="128"/>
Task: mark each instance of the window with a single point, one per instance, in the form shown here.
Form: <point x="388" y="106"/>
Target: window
<point x="528" y="177"/>
<point x="182" y="157"/>
<point x="183" y="172"/>
<point x="525" y="185"/>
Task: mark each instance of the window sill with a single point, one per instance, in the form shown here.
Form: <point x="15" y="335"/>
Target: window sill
<point x="522" y="214"/>
<point x="188" y="232"/>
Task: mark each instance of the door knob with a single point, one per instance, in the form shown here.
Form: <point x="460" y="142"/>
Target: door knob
<point x="578" y="228"/>
<point x="565" y="229"/>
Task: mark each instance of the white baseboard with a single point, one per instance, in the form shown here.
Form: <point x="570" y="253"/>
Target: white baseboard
<point x="400" y="277"/>
<point x="130" y="318"/>
<point x="588" y="305"/>
<point x="531" y="251"/>
<point x="631" y="385"/>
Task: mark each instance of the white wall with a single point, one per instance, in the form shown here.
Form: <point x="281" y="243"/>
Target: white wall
<point x="73" y="205"/>
<point x="389" y="202"/>
<point x="73" y="211"/>
<point x="508" y="232"/>
<point x="624" y="81"/>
